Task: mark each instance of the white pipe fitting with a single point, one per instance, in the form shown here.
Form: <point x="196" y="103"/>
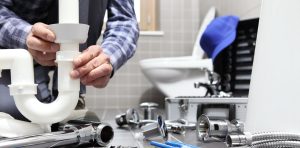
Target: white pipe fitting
<point x="21" y="65"/>
<point x="41" y="113"/>
<point x="23" y="89"/>
<point x="10" y="59"/>
<point x="69" y="34"/>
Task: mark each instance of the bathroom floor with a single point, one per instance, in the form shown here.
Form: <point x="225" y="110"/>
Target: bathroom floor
<point x="125" y="137"/>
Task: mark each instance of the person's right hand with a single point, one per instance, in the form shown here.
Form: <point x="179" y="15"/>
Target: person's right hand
<point x="40" y="43"/>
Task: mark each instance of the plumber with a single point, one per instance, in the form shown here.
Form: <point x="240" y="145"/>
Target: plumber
<point x="24" y="24"/>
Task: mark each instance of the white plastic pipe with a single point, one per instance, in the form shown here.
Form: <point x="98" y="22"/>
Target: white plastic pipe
<point x="68" y="11"/>
<point x="64" y="58"/>
<point x="69" y="34"/>
<point x="21" y="74"/>
<point x="41" y="113"/>
<point x="23" y="88"/>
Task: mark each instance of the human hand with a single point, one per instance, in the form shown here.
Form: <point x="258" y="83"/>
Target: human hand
<point x="92" y="67"/>
<point x="40" y="43"/>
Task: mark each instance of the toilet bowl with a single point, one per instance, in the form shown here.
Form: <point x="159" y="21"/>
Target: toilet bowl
<point x="176" y="76"/>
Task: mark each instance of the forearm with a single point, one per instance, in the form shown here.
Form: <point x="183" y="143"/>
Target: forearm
<point x="13" y="30"/>
<point x="122" y="32"/>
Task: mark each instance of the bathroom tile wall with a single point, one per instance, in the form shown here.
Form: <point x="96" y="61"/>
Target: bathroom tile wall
<point x="180" y="21"/>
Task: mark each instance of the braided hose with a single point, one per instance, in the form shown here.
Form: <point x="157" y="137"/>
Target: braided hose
<point x="275" y="136"/>
<point x="278" y="144"/>
<point x="264" y="140"/>
<point x="275" y="139"/>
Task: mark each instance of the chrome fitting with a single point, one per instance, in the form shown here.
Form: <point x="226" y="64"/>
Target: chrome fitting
<point x="149" y="108"/>
<point x="103" y="134"/>
<point x="99" y="133"/>
<point x="131" y="118"/>
<point x="158" y="129"/>
<point x="177" y="129"/>
<point x="236" y="140"/>
<point x="179" y="126"/>
<point x="206" y="128"/>
<point x="77" y="133"/>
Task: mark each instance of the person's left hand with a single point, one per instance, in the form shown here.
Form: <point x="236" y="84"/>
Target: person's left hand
<point x="92" y="67"/>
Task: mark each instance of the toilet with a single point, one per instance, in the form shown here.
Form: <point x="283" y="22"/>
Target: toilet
<point x="176" y="76"/>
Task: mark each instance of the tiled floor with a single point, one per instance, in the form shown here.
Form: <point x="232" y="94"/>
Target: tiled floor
<point x="125" y="136"/>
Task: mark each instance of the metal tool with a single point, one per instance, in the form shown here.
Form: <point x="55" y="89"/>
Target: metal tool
<point x="214" y="86"/>
<point x="179" y="126"/>
<point x="149" y="108"/>
<point x="177" y="129"/>
<point x="131" y="118"/>
<point x="73" y="133"/>
<point x="219" y="129"/>
<point x="157" y="129"/>
<point x="176" y="126"/>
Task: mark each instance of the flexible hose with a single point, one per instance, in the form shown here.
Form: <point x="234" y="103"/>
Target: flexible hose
<point x="275" y="136"/>
<point x="278" y="144"/>
<point x="265" y="140"/>
<point x="275" y="139"/>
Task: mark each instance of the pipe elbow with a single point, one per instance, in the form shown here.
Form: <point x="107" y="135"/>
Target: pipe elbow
<point x="11" y="57"/>
<point x="21" y="57"/>
<point x="21" y="67"/>
<point x="23" y="89"/>
<point x="42" y="113"/>
<point x="23" y="54"/>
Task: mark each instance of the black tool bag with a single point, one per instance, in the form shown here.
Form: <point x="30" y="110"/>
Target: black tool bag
<point x="234" y="64"/>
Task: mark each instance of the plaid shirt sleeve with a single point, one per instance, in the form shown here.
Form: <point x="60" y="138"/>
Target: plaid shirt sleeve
<point x="122" y="32"/>
<point x="13" y="30"/>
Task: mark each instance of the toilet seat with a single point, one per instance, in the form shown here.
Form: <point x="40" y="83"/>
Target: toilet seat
<point x="177" y="62"/>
